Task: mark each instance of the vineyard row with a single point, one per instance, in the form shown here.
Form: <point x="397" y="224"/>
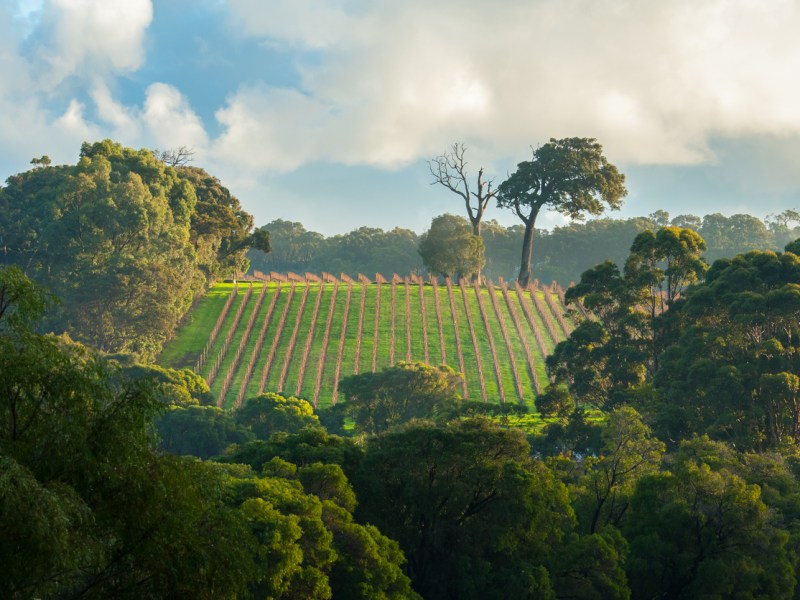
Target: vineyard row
<point x="302" y="337"/>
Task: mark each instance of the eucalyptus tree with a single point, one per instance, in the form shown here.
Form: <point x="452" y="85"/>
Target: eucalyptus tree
<point x="570" y="176"/>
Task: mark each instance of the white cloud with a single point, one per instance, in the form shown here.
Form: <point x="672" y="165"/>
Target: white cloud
<point x="654" y="82"/>
<point x="170" y="120"/>
<point x="385" y="84"/>
<point x="92" y="37"/>
<point x="122" y="119"/>
<point x="313" y="24"/>
<point x="272" y="129"/>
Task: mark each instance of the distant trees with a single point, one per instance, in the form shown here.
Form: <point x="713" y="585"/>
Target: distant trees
<point x="560" y="254"/>
<point x="725" y="236"/>
<point x="450" y="249"/>
<point x="570" y="176"/>
<point x="294" y="248"/>
<point x="364" y="250"/>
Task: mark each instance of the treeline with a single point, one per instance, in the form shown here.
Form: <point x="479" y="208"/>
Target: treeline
<point x="124" y="240"/>
<point x="560" y="254"/>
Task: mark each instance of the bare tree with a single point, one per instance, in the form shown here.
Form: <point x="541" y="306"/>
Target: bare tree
<point x="177" y="157"/>
<point x="450" y="170"/>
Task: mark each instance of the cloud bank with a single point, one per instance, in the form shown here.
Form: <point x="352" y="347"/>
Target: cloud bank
<point x="381" y="84"/>
<point x="653" y="81"/>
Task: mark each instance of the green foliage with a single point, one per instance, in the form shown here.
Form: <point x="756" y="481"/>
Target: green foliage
<point x="123" y="240"/>
<point x="592" y="566"/>
<point x="220" y="229"/>
<point x="737" y="351"/>
<point x="450" y="249"/>
<point x="88" y="508"/>
<point x="555" y="401"/>
<point x="628" y="453"/>
<point x="22" y="302"/>
<point x="700" y="529"/>
<point x="271" y="413"/>
<point x="475" y="517"/>
<point x="308" y="446"/>
<point x="308" y="544"/>
<point x="727" y="236"/>
<point x="605" y="360"/>
<point x="201" y="431"/>
<point x="662" y="264"/>
<point x="570" y="176"/>
<point x="378" y="401"/>
<point x="328" y="482"/>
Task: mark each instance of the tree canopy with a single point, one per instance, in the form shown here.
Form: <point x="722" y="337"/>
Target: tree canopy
<point x="450" y="249"/>
<point x="406" y="391"/>
<point x="125" y="242"/>
<point x="570" y="176"/>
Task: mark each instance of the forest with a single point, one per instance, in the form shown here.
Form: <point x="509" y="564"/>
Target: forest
<point x="665" y="463"/>
<point x="560" y="254"/>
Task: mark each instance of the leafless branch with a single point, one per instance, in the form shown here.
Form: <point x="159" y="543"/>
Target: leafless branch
<point x="450" y="170"/>
<point x="177" y="157"/>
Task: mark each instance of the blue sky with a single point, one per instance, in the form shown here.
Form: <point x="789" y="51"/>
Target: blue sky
<point x="325" y="111"/>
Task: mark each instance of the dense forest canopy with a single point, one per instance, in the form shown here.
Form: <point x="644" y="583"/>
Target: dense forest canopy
<point x="125" y="241"/>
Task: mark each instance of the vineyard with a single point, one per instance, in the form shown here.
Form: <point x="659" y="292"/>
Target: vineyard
<point x="301" y="335"/>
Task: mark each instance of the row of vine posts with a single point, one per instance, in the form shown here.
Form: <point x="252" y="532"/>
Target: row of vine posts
<point x="538" y="312"/>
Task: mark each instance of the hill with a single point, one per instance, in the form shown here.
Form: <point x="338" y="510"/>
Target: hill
<point x="301" y="337"/>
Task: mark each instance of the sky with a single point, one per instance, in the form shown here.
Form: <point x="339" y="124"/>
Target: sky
<point x="325" y="111"/>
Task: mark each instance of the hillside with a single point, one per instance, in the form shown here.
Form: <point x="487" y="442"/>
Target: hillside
<point x="302" y="337"/>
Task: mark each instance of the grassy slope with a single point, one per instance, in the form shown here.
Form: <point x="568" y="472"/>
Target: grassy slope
<point x="184" y="350"/>
<point x="192" y="337"/>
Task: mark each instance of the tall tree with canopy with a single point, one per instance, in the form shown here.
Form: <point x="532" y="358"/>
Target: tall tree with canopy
<point x="450" y="170"/>
<point x="570" y="176"/>
<point x="605" y="358"/>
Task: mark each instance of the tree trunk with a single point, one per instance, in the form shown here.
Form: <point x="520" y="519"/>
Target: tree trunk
<point x="476" y="230"/>
<point x="524" y="276"/>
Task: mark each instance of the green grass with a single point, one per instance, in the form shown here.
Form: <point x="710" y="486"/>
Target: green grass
<point x="239" y="332"/>
<point x="269" y="294"/>
<point x="384" y="329"/>
<point x="193" y="332"/>
<point x="193" y="335"/>
<point x="533" y="423"/>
